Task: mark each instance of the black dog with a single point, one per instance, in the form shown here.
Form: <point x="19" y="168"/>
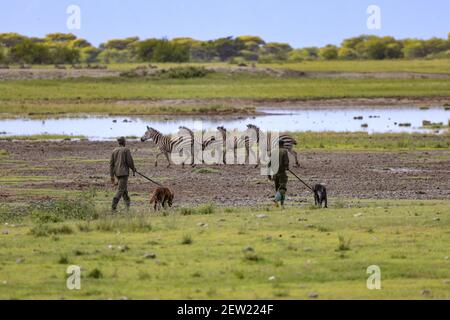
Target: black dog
<point x="320" y="195"/>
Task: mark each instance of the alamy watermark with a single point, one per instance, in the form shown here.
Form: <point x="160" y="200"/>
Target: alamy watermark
<point x="74" y="19"/>
<point x="374" y="19"/>
<point x="374" y="280"/>
<point x="73" y="281"/>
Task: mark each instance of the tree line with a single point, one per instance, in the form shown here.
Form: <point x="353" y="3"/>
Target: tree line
<point x="66" y="48"/>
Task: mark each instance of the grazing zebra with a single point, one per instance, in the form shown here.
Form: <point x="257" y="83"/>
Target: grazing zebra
<point x="289" y="142"/>
<point x="165" y="144"/>
<point x="200" y="141"/>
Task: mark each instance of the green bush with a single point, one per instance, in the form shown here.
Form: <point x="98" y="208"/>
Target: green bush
<point x="183" y="72"/>
<point x="206" y="209"/>
<point x="79" y="208"/>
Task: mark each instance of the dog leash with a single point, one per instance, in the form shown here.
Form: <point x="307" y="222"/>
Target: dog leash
<point x="152" y="181"/>
<point x="301" y="180"/>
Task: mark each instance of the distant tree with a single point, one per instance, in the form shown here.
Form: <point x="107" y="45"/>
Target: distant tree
<point x="347" y="54"/>
<point x="2" y="55"/>
<point x="186" y="41"/>
<point x="59" y="37"/>
<point x="227" y="48"/>
<point x="145" y="49"/>
<point x="80" y="43"/>
<point x="251" y="43"/>
<point x="165" y="51"/>
<point x="415" y="49"/>
<point x="89" y="54"/>
<point x="114" y="56"/>
<point x="29" y="52"/>
<point x="61" y="54"/>
<point x="120" y="44"/>
<point x="309" y="53"/>
<point x="276" y="51"/>
<point x="11" y="39"/>
<point x="329" y="52"/>
<point x="204" y="51"/>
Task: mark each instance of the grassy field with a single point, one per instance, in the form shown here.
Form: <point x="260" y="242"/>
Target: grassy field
<point x="420" y="66"/>
<point x="217" y="85"/>
<point x="374" y="142"/>
<point x="243" y="253"/>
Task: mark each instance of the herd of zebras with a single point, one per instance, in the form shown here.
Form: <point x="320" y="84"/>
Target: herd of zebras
<point x="186" y="139"/>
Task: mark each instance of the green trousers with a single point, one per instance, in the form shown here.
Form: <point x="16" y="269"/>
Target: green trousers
<point x="281" y="185"/>
<point x="122" y="192"/>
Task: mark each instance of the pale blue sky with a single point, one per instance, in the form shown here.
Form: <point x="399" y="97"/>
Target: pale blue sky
<point x="299" y="22"/>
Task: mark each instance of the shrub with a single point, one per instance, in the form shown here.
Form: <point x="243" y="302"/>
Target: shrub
<point x="80" y="208"/>
<point x="95" y="274"/>
<point x="206" y="209"/>
<point x="43" y="230"/>
<point x="187" y="239"/>
<point x="183" y="72"/>
<point x="344" y="244"/>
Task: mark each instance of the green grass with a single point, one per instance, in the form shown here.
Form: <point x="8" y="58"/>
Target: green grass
<point x="295" y="252"/>
<point x="37" y="137"/>
<point x="373" y="142"/>
<point x="216" y="86"/>
<point x="419" y="66"/>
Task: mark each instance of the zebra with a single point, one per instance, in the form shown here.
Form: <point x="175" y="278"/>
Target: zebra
<point x="165" y="144"/>
<point x="288" y="141"/>
<point x="200" y="141"/>
<point x="239" y="142"/>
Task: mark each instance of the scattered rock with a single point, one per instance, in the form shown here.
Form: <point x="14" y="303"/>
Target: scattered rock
<point x="302" y="219"/>
<point x="202" y="224"/>
<point x="426" y="292"/>
<point x="313" y="295"/>
<point x="446" y="281"/>
<point x="150" y="255"/>
<point x="20" y="260"/>
<point x="5" y="232"/>
<point x="436" y="219"/>
<point x="262" y="216"/>
<point x="249" y="249"/>
<point x="272" y="278"/>
<point x="123" y="248"/>
<point x="357" y="215"/>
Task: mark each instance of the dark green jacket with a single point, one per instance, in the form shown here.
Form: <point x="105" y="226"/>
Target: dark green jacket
<point x="283" y="162"/>
<point x="121" y="162"/>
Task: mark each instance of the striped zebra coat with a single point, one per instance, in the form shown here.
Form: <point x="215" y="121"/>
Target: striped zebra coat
<point x="288" y="141"/>
<point x="194" y="141"/>
<point x="166" y="144"/>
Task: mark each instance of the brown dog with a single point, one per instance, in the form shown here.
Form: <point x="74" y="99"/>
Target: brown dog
<point x="161" y="196"/>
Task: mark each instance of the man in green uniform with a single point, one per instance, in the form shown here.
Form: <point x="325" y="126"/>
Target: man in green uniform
<point x="281" y="178"/>
<point x="120" y="164"/>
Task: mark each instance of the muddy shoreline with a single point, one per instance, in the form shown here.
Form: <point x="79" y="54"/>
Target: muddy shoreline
<point x="80" y="165"/>
<point x="228" y="106"/>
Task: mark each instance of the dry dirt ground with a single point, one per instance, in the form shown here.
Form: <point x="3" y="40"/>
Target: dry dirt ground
<point x="79" y="165"/>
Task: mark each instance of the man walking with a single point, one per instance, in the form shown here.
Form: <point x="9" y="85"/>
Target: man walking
<point x="120" y="164"/>
<point x="281" y="178"/>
